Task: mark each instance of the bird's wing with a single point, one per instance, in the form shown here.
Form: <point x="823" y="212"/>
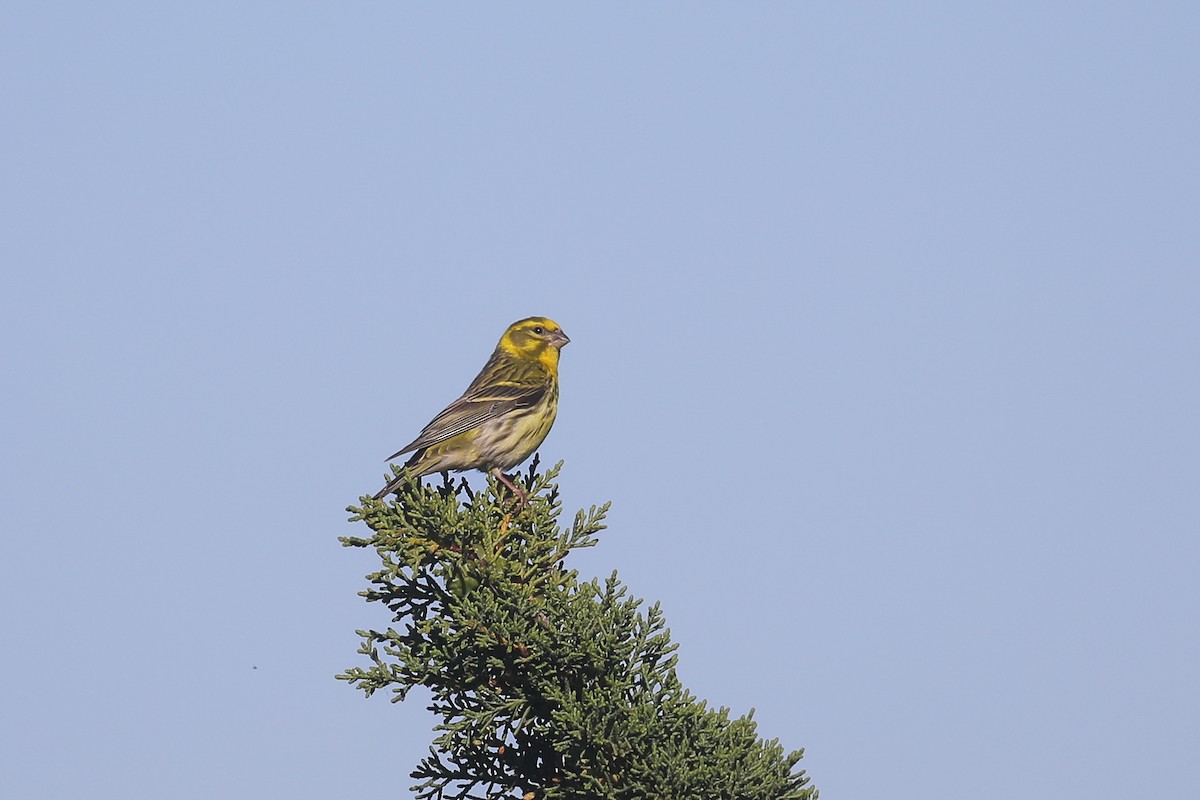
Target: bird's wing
<point x="474" y="408"/>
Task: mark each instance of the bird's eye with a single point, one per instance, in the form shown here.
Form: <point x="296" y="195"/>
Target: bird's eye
<point x="539" y="330"/>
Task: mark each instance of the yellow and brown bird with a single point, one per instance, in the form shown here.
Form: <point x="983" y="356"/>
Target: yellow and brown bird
<point x="503" y="415"/>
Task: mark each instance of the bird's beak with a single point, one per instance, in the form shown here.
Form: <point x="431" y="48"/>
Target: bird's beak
<point x="558" y="339"/>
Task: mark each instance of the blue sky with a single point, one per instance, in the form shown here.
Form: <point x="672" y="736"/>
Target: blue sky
<point x="885" y="346"/>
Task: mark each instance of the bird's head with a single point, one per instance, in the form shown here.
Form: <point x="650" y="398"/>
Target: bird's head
<point x="535" y="338"/>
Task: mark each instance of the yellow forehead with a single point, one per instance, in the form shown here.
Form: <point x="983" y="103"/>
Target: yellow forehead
<point x="529" y="323"/>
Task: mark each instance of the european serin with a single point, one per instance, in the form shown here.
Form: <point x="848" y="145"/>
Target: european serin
<point x="503" y="415"/>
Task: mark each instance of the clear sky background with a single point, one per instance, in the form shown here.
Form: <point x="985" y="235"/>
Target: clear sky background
<point x="886" y="348"/>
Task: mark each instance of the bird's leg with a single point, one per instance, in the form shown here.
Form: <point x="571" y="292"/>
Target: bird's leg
<point x="500" y="476"/>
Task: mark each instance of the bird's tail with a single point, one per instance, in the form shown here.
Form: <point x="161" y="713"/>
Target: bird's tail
<point x="392" y="485"/>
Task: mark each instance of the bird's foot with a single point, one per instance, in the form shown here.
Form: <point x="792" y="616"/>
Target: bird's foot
<point x="520" y="493"/>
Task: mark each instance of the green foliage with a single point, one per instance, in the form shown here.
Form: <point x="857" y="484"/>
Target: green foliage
<point x="546" y="686"/>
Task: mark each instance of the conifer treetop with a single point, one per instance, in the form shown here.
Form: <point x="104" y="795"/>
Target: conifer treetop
<point x="545" y="686"/>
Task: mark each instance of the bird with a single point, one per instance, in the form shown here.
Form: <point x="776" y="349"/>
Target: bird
<point x="502" y="417"/>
